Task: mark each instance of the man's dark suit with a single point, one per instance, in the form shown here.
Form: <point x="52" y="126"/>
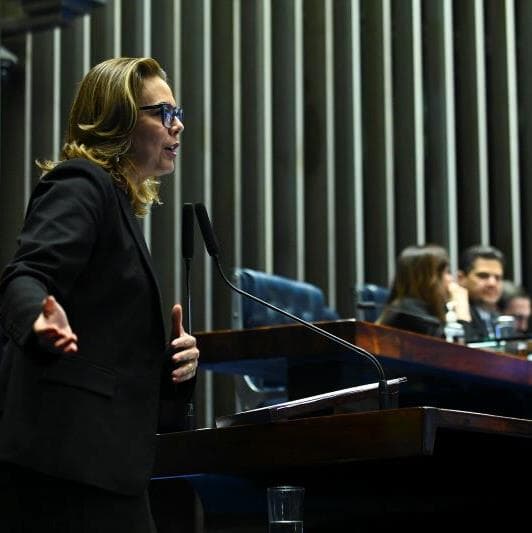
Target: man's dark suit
<point x="478" y="328"/>
<point x="90" y="416"/>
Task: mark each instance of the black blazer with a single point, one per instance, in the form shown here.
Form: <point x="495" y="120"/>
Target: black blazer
<point x="90" y="416"/>
<point x="411" y="314"/>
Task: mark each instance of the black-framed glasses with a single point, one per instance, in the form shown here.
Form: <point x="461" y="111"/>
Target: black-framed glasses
<point x="168" y="112"/>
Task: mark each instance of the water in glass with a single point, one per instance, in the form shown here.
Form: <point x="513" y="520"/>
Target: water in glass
<point x="286" y="526"/>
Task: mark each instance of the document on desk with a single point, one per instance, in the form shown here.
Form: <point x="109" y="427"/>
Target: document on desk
<point x="308" y="406"/>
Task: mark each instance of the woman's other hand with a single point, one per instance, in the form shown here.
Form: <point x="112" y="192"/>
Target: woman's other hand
<point x="53" y="330"/>
<point x="185" y="354"/>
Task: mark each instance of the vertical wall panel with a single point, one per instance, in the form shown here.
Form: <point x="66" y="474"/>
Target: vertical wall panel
<point x="194" y="150"/>
<point x="319" y="134"/>
<point x="501" y="124"/>
<point x="471" y="130"/>
<point x="419" y="138"/>
<point x="75" y="43"/>
<point x="28" y="120"/>
<point x="257" y="145"/>
<point x="515" y="207"/>
<point x="224" y="136"/>
<point x="408" y="124"/>
<point x="330" y="287"/>
<point x="357" y="149"/>
<point x="378" y="151"/>
<point x="288" y="147"/>
<point x="389" y="154"/>
<point x="251" y="179"/>
<point x="106" y="43"/>
<point x="42" y="91"/>
<point x="237" y="140"/>
<point x="440" y="167"/>
<point x="348" y="154"/>
<point x="57" y="127"/>
<point x="523" y="16"/>
<point x="451" y="216"/>
<point x="265" y="133"/>
<point x="133" y="24"/>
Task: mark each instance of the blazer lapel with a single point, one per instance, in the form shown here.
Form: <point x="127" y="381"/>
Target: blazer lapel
<point x="134" y="226"/>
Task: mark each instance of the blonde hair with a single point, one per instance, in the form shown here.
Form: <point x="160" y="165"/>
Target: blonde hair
<point x="102" y="118"/>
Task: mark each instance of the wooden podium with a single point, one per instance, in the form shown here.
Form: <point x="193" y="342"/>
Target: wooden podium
<point x="416" y="465"/>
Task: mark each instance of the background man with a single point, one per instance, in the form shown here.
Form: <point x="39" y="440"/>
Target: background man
<point x="515" y="301"/>
<point x="481" y="272"/>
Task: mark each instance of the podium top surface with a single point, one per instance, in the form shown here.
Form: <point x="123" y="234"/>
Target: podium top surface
<point x="329" y="440"/>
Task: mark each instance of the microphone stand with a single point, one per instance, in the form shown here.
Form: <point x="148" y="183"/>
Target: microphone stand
<point x="189" y="409"/>
<point x="187" y="244"/>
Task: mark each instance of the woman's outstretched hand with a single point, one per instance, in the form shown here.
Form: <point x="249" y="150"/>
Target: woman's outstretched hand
<point x="185" y="354"/>
<point x="53" y="330"/>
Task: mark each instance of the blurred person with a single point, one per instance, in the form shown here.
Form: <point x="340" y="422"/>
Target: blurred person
<point x="87" y="360"/>
<point x="422" y="290"/>
<point x="481" y="271"/>
<point x="515" y="301"/>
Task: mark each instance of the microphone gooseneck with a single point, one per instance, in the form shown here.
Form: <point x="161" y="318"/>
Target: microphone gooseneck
<point x="213" y="249"/>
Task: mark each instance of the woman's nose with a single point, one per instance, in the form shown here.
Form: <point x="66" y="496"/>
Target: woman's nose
<point x="177" y="125"/>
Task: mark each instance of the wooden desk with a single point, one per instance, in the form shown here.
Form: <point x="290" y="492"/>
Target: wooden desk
<point x="233" y="350"/>
<point x="395" y="465"/>
<point x="441" y="374"/>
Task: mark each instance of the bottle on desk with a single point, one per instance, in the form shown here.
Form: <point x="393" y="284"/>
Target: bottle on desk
<point x="505" y="327"/>
<point x="453" y="330"/>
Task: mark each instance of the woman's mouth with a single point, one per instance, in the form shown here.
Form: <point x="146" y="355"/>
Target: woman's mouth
<point x="172" y="149"/>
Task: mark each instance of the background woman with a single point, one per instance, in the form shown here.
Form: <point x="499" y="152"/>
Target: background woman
<point x="423" y="291"/>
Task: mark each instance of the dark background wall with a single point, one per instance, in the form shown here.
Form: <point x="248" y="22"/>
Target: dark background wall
<point x="324" y="136"/>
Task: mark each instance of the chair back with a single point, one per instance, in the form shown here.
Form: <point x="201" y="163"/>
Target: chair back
<point x="370" y="300"/>
<point x="299" y="298"/>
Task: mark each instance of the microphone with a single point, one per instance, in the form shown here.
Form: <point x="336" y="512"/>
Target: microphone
<point x="213" y="249"/>
<point x="187" y="251"/>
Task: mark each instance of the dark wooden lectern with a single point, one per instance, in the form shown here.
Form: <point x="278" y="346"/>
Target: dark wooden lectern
<point x="415" y="466"/>
<point x="362" y="471"/>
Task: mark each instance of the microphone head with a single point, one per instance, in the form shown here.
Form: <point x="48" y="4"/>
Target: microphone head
<point x="187" y="231"/>
<point x="211" y="242"/>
